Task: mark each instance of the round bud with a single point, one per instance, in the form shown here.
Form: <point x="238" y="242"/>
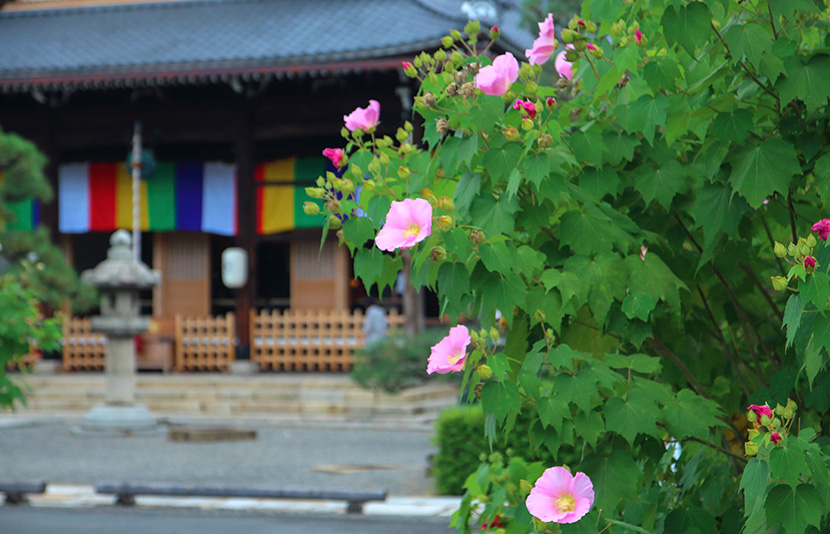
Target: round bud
<point x="311" y="208"/>
<point x="484" y="372"/>
<point x="779" y="250"/>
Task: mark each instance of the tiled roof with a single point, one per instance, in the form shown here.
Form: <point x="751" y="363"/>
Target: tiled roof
<point x="198" y="38"/>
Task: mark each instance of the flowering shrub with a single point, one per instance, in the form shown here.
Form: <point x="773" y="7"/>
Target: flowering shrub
<point x="619" y="208"/>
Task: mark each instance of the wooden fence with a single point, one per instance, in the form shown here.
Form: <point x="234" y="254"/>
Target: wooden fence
<point x="83" y="350"/>
<point x="205" y="343"/>
<point x="320" y="340"/>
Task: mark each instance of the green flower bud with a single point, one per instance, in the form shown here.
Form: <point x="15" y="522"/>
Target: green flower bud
<point x="446" y="41"/>
<point x="527" y="124"/>
<point x="403" y="173"/>
<point x="803" y="249"/>
<point x="446" y="204"/>
<point x="445" y="221"/>
<point x="792" y="405"/>
<point x="374" y="166"/>
<point x="511" y="133"/>
<point x="779" y="283"/>
<point x="355" y="170"/>
<point x="568" y="36"/>
<point x="484" y="372"/>
<point x="334" y="223"/>
<point x="494" y="334"/>
<point x="456" y="58"/>
<point x="753" y="433"/>
<point x="368" y="185"/>
<point x="494" y="33"/>
<point x="477" y="237"/>
<point x="778" y="410"/>
<point x="440" y="55"/>
<point x="401" y="135"/>
<point x="779" y="250"/>
<point x="348" y="186"/>
<point x="455" y="35"/>
<point x="315" y="192"/>
<point x="766" y="420"/>
<point x="438" y="254"/>
<point x="531" y="88"/>
<point x="751" y="448"/>
<point x="751" y="416"/>
<point x="525" y="486"/>
<point x="811" y="241"/>
<point x="311" y="208"/>
<point x="383" y="159"/>
<point x="344" y="132"/>
<point x="472" y="27"/>
<point x="792" y="250"/>
<point x="334" y="206"/>
<point x="571" y="55"/>
<point x="776" y="422"/>
<point x="539" y="315"/>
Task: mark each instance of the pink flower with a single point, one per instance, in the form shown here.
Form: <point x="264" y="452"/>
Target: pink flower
<point x="560" y="497"/>
<point x="638" y="36"/>
<point x="775" y="437"/>
<point x="760" y="411"/>
<point x="643" y="251"/>
<point x="363" y="118"/>
<point x="550" y="102"/>
<point x="580" y="22"/>
<point x="335" y="155"/>
<point x="590" y="46"/>
<point x="809" y="262"/>
<point x="495" y="523"/>
<point x="528" y="107"/>
<point x="407" y="64"/>
<point x="823" y="229"/>
<point x="407" y="223"/>
<point x="448" y="354"/>
<point x="563" y="66"/>
<point x="495" y="79"/>
<point x="543" y="46"/>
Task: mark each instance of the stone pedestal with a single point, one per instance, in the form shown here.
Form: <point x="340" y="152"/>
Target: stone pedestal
<point x="114" y="420"/>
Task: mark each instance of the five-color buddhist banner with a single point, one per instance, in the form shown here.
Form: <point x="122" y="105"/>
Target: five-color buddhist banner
<point x="184" y="196"/>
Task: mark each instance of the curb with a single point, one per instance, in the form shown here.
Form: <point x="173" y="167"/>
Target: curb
<point x="84" y="496"/>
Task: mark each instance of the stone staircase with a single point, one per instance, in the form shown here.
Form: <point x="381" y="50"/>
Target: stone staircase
<point x="278" y="395"/>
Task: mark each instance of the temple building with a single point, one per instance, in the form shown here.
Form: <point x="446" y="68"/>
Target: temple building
<point x="236" y="100"/>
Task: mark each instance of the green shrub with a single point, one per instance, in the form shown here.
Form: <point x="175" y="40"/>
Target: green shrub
<point x="397" y="361"/>
<point x="461" y="442"/>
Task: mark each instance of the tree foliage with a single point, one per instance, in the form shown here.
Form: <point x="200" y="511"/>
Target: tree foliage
<point x="626" y="231"/>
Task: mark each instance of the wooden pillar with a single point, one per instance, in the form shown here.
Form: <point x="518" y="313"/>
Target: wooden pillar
<point x="49" y="211"/>
<point x="246" y="195"/>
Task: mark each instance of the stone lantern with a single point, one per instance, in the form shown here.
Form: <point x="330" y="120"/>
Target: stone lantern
<point x="119" y="279"/>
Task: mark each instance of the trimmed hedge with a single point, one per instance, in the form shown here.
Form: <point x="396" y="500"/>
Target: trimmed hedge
<point x="396" y="361"/>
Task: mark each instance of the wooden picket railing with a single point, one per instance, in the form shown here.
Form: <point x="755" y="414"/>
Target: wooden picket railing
<point x="83" y="350"/>
<point x="205" y="343"/>
<point x="321" y="340"/>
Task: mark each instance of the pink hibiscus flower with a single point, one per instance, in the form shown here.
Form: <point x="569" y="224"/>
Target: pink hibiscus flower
<point x="448" y="354"/>
<point x="560" y="497"/>
<point x="528" y="107"/>
<point x="775" y="437"/>
<point x="543" y="46"/>
<point x="335" y="155"/>
<point x="638" y="36"/>
<point x="563" y="66"/>
<point x="809" y="262"/>
<point x="495" y="79"/>
<point x="760" y="410"/>
<point x="363" y="118"/>
<point x="823" y="229"/>
<point x="407" y="223"/>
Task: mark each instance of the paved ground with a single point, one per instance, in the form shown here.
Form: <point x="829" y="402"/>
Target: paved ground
<point x="24" y="520"/>
<point x="320" y="456"/>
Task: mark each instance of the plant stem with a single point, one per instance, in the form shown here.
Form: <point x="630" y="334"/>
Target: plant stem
<point x="792" y="216"/>
<point x="662" y="349"/>
<point x="746" y="69"/>
<point x="772" y="22"/>
<point x="763" y="289"/>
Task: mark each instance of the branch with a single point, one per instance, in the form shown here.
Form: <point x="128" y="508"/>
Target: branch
<point x="763" y="289"/>
<point x="719" y="335"/>
<point x="746" y="69"/>
<point x="772" y="22"/>
<point x="772" y="243"/>
<point x="660" y="348"/>
<point x="721" y="449"/>
<point x="792" y="216"/>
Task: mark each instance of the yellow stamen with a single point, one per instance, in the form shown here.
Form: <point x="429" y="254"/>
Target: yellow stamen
<point x="565" y="503"/>
<point x="454" y="357"/>
<point x="411" y="230"/>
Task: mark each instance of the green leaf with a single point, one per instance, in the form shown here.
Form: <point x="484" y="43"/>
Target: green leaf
<point x="603" y="281"/>
<point x="605" y="9"/>
<point x="631" y="417"/>
<point x="615" y="478"/>
<point x="748" y="40"/>
<point x="760" y="170"/>
<point x="661" y="183"/>
<point x="467" y="148"/>
<point x="494" y="216"/>
<point x="589" y="426"/>
<point x="822" y="172"/>
<point x="755" y="480"/>
<point x="587" y="146"/>
<point x="733" y="126"/>
<point x="599" y="182"/>
<point x="368" y="265"/>
<point x="794" y="507"/>
<point x="645" y="114"/>
<point x="792" y="318"/>
<point x="358" y="230"/>
<point x="580" y="389"/>
<point x="537" y="168"/>
<point x="651" y="276"/>
<point x="497" y="258"/>
<point x="819" y="472"/>
<point x="467" y="189"/>
<point x="788" y="7"/>
<point x="716" y="210"/>
<point x="815" y="289"/>
<point x="636" y="362"/>
<point x="688" y="26"/>
<point x="453" y="279"/>
<point x="786" y="464"/>
<point x="809" y="82"/>
<point x="690" y="519"/>
<point x="661" y="72"/>
<point x="691" y="415"/>
<point x="501" y="160"/>
<point x="813" y="362"/>
<point x="500" y="398"/>
<point x="638" y="306"/>
<point x="620" y="146"/>
<point x="552" y="411"/>
<point x="503" y="293"/>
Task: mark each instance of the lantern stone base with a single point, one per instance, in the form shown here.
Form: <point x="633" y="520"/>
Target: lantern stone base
<point x="115" y="420"/>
